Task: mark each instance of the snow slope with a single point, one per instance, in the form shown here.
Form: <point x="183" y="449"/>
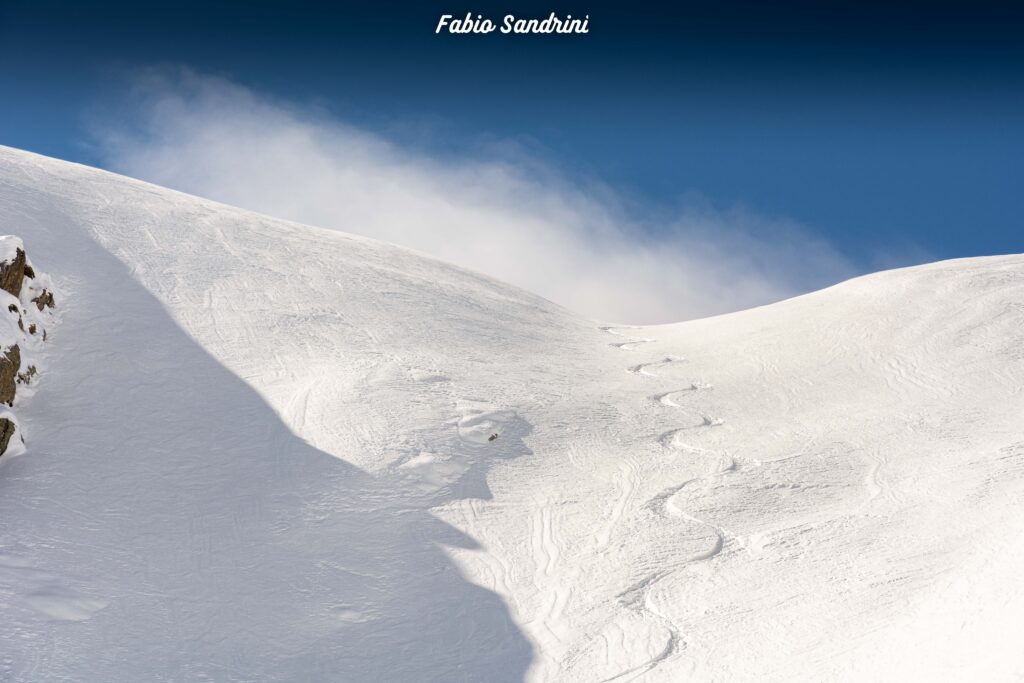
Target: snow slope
<point x="262" y="452"/>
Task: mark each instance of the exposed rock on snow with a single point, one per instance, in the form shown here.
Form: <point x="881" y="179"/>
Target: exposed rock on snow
<point x="29" y="304"/>
<point x="12" y="268"/>
<point x="10" y="364"/>
<point x="44" y="300"/>
<point x="7" y="430"/>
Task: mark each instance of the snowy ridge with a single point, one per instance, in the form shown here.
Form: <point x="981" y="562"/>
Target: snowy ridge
<point x="282" y="453"/>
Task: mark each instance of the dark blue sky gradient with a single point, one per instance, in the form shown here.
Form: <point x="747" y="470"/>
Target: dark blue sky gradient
<point x="886" y="128"/>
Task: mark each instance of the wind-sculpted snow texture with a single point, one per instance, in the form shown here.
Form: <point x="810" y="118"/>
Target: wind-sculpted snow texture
<point x="265" y="451"/>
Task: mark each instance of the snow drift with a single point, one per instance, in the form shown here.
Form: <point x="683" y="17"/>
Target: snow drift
<point x="264" y="451"/>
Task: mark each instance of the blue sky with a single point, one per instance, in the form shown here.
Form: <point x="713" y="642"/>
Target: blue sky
<point x="894" y="131"/>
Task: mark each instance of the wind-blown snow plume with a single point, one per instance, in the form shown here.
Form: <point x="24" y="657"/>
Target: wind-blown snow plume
<point x="516" y="219"/>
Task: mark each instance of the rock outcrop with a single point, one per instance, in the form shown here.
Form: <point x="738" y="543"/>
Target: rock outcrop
<point x="7" y="431"/>
<point x="10" y="365"/>
<point x="28" y="299"/>
<point x="12" y="273"/>
<point x="44" y="300"/>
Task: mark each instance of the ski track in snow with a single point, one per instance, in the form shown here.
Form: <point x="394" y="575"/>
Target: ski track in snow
<point x="642" y="368"/>
<point x="667" y="503"/>
<point x="671" y="398"/>
<point x="629" y="344"/>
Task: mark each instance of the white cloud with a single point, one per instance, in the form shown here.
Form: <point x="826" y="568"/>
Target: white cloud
<point x="513" y="218"/>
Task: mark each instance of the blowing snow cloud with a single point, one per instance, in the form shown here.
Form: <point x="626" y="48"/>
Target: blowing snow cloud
<point x="514" y="218"/>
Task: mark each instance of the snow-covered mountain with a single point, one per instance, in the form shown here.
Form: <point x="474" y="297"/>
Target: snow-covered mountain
<point x="264" y="451"/>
